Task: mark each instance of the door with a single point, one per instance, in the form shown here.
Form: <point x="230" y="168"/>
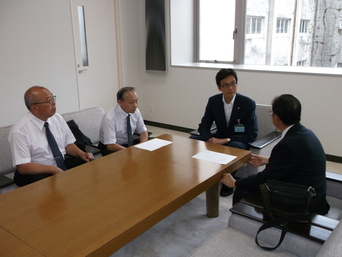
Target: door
<point x="94" y="31"/>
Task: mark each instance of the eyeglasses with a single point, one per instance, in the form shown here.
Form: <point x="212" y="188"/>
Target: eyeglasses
<point x="50" y="101"/>
<point x="271" y="112"/>
<point x="233" y="84"/>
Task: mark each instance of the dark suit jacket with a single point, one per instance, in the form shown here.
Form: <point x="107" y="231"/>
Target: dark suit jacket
<point x="298" y="158"/>
<point x="243" y="110"/>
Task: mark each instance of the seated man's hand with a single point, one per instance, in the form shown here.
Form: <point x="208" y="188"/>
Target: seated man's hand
<point x="87" y="157"/>
<point x="219" y="141"/>
<point x="228" y="180"/>
<point x="258" y="160"/>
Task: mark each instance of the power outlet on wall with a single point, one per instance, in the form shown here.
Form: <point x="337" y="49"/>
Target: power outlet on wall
<point x="151" y="108"/>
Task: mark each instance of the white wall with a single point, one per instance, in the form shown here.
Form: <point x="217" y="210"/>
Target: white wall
<point x="37" y="48"/>
<point x="180" y="96"/>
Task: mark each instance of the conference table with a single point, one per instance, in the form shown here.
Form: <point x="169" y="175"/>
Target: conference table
<point x="98" y="207"/>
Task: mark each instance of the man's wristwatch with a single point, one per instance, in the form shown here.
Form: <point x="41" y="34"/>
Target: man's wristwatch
<point x="228" y="139"/>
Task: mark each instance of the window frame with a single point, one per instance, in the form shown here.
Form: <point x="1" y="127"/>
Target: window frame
<point x="240" y="7"/>
<point x="284" y="28"/>
<point x="304" y="26"/>
<point x="301" y="63"/>
<point x="251" y="26"/>
<point x="183" y="42"/>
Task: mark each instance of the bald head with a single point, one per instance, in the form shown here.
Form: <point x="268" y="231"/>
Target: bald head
<point x="40" y="102"/>
<point x="32" y="95"/>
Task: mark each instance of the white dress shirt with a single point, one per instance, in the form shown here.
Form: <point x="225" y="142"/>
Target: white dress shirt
<point x="113" y="128"/>
<point x="28" y="141"/>
<point x="228" y="108"/>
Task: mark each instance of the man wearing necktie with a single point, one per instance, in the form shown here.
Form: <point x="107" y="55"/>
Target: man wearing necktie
<point x="41" y="138"/>
<point x="120" y="122"/>
<point x="233" y="114"/>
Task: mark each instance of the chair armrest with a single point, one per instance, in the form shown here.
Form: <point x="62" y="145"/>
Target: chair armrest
<point x="92" y="149"/>
<point x="196" y="133"/>
<point x="334" y="185"/>
<point x="136" y="137"/>
<point x="5" y="181"/>
<point x="213" y="130"/>
<point x="318" y="220"/>
<point x="318" y="229"/>
<point x="266" y="140"/>
<point x="333" y="176"/>
<point x="137" y="134"/>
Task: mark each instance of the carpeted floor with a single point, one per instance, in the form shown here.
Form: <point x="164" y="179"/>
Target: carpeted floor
<point x="179" y="233"/>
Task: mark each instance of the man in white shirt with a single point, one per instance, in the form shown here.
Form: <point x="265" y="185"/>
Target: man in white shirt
<point x="31" y="152"/>
<point x="113" y="130"/>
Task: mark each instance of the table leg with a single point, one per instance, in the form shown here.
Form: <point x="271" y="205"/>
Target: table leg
<point x="212" y="199"/>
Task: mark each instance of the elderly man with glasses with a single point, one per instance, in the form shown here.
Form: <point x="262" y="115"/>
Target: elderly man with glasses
<point x="41" y="138"/>
<point x="233" y="114"/>
<point x="120" y="122"/>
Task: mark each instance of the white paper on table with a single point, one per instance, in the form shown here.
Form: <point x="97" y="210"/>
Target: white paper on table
<point x="211" y="156"/>
<point x="153" y="144"/>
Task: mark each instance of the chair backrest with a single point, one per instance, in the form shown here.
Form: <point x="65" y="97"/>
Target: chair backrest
<point x="6" y="165"/>
<point x="265" y="123"/>
<point x="88" y="120"/>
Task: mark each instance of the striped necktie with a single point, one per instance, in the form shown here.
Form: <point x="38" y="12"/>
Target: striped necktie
<point x="129" y="131"/>
<point x="54" y="147"/>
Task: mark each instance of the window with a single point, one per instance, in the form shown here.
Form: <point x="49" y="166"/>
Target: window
<point x="283" y="26"/>
<point x="83" y="35"/>
<point x="277" y="33"/>
<point x="253" y="25"/>
<point x="215" y="32"/>
<point x="303" y="27"/>
<point x="301" y="63"/>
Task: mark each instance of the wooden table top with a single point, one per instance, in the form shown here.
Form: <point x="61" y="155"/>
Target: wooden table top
<point x="12" y="246"/>
<point x="96" y="208"/>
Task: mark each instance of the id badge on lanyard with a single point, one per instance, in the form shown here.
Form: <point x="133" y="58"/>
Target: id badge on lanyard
<point x="239" y="128"/>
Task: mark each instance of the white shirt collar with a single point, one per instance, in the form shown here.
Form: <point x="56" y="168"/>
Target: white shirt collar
<point x="39" y="123"/>
<point x="231" y="102"/>
<point x="122" y="112"/>
<point x="285" y="131"/>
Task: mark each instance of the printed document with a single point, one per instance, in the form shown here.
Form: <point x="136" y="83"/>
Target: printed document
<point x="211" y="156"/>
<point x="153" y="144"/>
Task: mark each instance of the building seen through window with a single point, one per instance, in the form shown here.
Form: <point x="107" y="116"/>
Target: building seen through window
<point x="303" y="28"/>
<point x="284" y="33"/>
<point x="283" y="26"/>
<point x="253" y="25"/>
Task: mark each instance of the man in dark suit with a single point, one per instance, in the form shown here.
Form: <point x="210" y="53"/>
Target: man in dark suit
<point x="298" y="158"/>
<point x="233" y="114"/>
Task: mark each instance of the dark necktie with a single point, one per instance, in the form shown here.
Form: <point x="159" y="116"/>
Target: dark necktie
<point x="129" y="131"/>
<point x="54" y="148"/>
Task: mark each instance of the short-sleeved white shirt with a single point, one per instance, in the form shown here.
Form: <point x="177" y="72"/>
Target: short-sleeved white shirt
<point x="113" y="128"/>
<point x="28" y="141"/>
